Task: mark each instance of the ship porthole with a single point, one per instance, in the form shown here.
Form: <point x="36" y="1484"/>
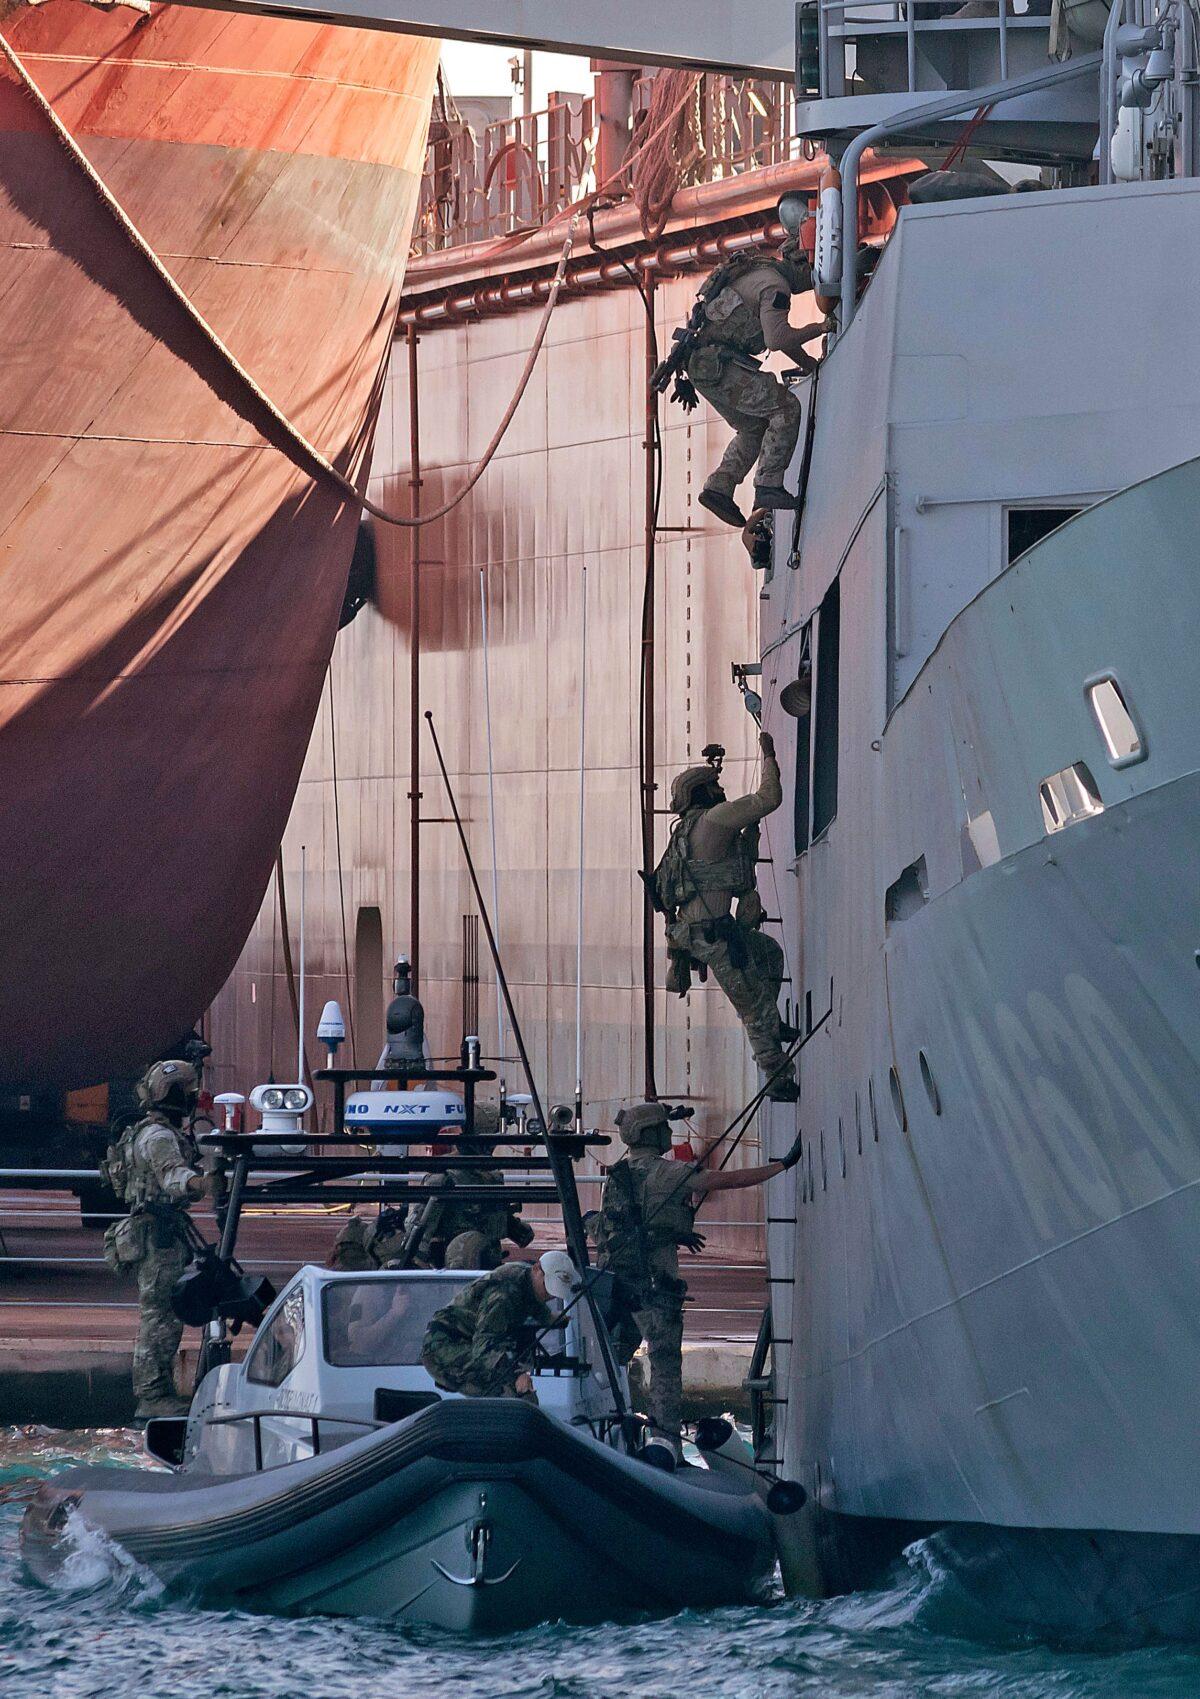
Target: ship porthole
<point x="897" y="1100"/>
<point x="930" y="1084"/>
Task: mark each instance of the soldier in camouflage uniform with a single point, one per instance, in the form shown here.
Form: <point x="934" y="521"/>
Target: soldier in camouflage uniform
<point x="450" y="1235"/>
<point x="745" y="315"/>
<point x="475" y="1345"/>
<point x="708" y="865"/>
<point x="366" y="1243"/>
<point x="647" y="1211"/>
<point x="472" y="1233"/>
<point x="153" y="1169"/>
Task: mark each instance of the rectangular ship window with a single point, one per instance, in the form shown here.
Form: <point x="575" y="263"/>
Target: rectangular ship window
<point x="1117" y="726"/>
<point x="801" y="816"/>
<point x="1069" y="796"/>
<point x="825" y="711"/>
<point x="1028" y="525"/>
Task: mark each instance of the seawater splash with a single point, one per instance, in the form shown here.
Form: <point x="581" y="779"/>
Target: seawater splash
<point x="93" y="1560"/>
<point x="105" y="1634"/>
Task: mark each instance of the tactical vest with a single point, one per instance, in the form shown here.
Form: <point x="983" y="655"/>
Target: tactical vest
<point x="133" y="1180"/>
<point x="679" y="878"/>
<point x="645" y="1211"/>
<point x="728" y="318"/>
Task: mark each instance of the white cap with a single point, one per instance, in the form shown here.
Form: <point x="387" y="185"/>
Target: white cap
<point x="561" y="1275"/>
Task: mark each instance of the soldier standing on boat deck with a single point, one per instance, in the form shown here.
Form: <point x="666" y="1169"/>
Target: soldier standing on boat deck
<point x="709" y="864"/>
<point x="741" y="313"/>
<point x="647" y="1211"/>
<point x="476" y="1344"/>
<point x="153" y="1169"/>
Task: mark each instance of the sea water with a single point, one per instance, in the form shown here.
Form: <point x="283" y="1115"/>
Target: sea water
<point x="106" y="1630"/>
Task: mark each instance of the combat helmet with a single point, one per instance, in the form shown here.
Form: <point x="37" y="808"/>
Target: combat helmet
<point x="173" y="1084"/>
<point x="685" y="785"/>
<point x="643" y="1126"/>
<point x="485" y="1126"/>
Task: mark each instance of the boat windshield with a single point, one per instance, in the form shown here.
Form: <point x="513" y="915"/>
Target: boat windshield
<point x="377" y="1322"/>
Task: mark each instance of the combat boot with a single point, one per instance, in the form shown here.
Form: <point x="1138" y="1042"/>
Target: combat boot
<point x="773" y="496"/>
<point x="723" y="505"/>
<point x="783" y="1091"/>
<point x="150" y="1407"/>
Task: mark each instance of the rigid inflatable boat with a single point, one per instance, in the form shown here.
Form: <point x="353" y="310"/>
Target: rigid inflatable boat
<point x="325" y="1473"/>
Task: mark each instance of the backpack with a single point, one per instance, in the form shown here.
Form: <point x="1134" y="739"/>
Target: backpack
<point x="116" y="1165"/>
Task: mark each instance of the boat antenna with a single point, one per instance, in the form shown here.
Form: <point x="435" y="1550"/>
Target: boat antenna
<point x="560" y="1163"/>
<point x="487" y="716"/>
<point x="300" y="1007"/>
<point x="579" y="880"/>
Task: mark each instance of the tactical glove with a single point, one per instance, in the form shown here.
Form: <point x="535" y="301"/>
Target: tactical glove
<point x="693" y="1242"/>
<point x="793" y="1155"/>
<point x="685" y="393"/>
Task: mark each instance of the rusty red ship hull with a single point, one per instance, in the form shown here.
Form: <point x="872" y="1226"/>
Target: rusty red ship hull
<point x="171" y="581"/>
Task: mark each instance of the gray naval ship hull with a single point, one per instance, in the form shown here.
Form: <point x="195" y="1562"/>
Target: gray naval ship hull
<point x="479" y="1516"/>
<point x="986" y="1271"/>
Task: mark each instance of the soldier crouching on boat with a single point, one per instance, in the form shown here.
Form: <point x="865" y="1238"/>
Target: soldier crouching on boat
<point x="441" y="1232"/>
<point x="477" y="1344"/>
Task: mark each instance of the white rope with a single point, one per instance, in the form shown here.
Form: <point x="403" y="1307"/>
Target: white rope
<point x="300" y="451"/>
<point x="582" y="808"/>
<point x="487" y="714"/>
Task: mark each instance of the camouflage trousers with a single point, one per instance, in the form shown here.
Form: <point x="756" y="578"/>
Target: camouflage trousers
<point x="657" y="1319"/>
<point x="661" y="1322"/>
<point x="447" y="1363"/>
<point x="763" y="412"/>
<point x="159" y="1328"/>
<point x="753" y="989"/>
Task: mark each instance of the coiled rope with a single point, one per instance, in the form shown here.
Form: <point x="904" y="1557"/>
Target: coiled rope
<point x="300" y="451"/>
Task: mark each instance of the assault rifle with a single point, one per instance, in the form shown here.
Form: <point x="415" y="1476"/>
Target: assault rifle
<point x="683" y="345"/>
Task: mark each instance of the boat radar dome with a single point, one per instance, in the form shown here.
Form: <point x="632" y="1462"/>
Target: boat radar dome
<point x="331" y="1029"/>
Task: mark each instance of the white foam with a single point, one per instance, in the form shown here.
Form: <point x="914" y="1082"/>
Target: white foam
<point x="94" y="1560"/>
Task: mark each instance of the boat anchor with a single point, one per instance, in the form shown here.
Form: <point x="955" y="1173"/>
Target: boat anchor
<point x="479" y="1538"/>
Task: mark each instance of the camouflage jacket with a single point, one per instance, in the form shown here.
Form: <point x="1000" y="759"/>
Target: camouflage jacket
<point x="474" y="1344"/>
<point x="153" y="1162"/>
<point x="646" y="1209"/>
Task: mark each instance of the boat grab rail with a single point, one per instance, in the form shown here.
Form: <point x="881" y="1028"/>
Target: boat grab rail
<point x="314" y="1421"/>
